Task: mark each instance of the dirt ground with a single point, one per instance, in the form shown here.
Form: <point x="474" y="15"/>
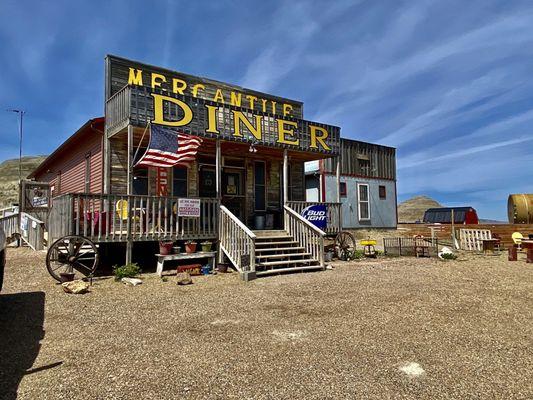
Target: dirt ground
<point x="399" y="328"/>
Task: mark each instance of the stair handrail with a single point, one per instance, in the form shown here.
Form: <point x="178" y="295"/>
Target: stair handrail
<point x="236" y="239"/>
<point x="10" y="225"/>
<point x="297" y="230"/>
<point x="35" y="234"/>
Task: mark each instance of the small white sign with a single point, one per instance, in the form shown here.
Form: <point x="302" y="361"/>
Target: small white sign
<point x="189" y="208"/>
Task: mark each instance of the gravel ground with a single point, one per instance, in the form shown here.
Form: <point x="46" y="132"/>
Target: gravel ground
<point x="387" y="328"/>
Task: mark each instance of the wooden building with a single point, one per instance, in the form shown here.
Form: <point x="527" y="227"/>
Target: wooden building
<point x="246" y="185"/>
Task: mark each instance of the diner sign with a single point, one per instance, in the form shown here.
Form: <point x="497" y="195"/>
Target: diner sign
<point x="189" y="208"/>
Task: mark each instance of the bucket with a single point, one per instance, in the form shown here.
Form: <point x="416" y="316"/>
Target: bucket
<point x="206" y="246"/>
<point x="66" y="277"/>
<point x="259" y="222"/>
<point x="176" y="249"/>
<point x="190" y="247"/>
<point x="222" y="267"/>
<point x="165" y="248"/>
<point x="206" y="270"/>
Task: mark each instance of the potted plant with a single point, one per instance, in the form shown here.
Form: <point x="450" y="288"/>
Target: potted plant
<point x="206" y="246"/>
<point x="165" y="248"/>
<point x="190" y="246"/>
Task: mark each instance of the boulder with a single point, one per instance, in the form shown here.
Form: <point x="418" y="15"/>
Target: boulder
<point x="183" y="278"/>
<point x="131" y="281"/>
<point x="444" y="250"/>
<point x="75" y="287"/>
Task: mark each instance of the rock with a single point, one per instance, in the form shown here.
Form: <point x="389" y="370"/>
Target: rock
<point x="329" y="267"/>
<point x="445" y="250"/>
<point x="75" y="287"/>
<point x="183" y="278"/>
<point x="131" y="281"/>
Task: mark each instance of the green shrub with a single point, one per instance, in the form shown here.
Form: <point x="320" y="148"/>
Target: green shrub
<point x="448" y="256"/>
<point x="126" y="271"/>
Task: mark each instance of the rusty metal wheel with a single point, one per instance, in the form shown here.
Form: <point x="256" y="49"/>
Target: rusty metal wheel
<point x="344" y="245"/>
<point x="72" y="254"/>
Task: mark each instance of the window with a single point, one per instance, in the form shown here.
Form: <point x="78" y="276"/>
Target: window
<point x="382" y="192"/>
<point x="364" y="202"/>
<point x="140" y="181"/>
<point x="364" y="166"/>
<point x="342" y="189"/>
<point x="87" y="187"/>
<point x="207" y="184"/>
<point x="260" y="186"/>
<point x="179" y="182"/>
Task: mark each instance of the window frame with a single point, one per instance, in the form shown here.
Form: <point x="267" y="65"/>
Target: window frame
<point x="382" y="196"/>
<point x="264" y="185"/>
<point x="343" y="193"/>
<point x="360" y="202"/>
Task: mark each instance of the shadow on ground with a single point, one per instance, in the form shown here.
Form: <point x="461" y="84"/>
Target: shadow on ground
<point x="21" y="330"/>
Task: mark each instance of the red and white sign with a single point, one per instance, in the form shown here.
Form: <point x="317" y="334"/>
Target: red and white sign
<point x="162" y="181"/>
<point x="189" y="208"/>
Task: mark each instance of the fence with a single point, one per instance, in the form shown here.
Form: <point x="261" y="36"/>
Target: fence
<point x="404" y="246"/>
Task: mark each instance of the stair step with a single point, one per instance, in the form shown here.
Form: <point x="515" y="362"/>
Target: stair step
<point x="267" y="238"/>
<point x="259" y="250"/>
<point x="288" y="269"/>
<point x="274" y="263"/>
<point x="275" y="243"/>
<point x="284" y="255"/>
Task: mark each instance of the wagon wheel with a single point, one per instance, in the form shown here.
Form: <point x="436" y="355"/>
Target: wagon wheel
<point x="344" y="245"/>
<point x="72" y="254"/>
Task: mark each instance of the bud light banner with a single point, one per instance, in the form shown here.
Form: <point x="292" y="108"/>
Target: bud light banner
<point x="317" y="215"/>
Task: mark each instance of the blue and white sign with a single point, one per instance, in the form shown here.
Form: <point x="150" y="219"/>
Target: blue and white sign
<point x="317" y="215"/>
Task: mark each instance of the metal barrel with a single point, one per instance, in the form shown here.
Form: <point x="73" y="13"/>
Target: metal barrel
<point x="520" y="208"/>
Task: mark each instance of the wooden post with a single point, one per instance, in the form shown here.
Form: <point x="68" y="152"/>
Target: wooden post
<point x="453" y="230"/>
<point x="338" y="178"/>
<point x="129" y="238"/>
<point x="218" y="186"/>
<point x="285" y="186"/>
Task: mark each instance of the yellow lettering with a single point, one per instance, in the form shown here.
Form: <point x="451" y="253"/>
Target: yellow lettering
<point x="178" y="85"/>
<point x="135" y="77"/>
<point x="211" y="119"/>
<point x="282" y="131"/>
<point x="264" y="101"/>
<point x="158" y="111"/>
<point x="239" y="117"/>
<point x="316" y="138"/>
<point x="157" y="80"/>
<point x="235" y="99"/>
<point x="273" y="106"/>
<point x="252" y="100"/>
<point x="287" y="109"/>
<point x="219" y="96"/>
<point x="195" y="89"/>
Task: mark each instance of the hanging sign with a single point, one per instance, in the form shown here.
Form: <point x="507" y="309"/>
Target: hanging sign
<point x="317" y="215"/>
<point x="189" y="208"/>
<point x="162" y="181"/>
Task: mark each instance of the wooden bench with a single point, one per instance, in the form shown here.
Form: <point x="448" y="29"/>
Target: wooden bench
<point x="185" y="256"/>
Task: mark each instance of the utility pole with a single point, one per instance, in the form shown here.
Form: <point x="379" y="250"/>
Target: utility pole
<point x="21" y="114"/>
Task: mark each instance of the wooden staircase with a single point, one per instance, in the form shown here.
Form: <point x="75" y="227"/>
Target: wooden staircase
<point x="276" y="252"/>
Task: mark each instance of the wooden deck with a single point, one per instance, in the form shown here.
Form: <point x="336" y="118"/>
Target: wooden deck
<point x="121" y="218"/>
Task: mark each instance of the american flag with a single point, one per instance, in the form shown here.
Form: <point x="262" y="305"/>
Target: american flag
<point x="168" y="148"/>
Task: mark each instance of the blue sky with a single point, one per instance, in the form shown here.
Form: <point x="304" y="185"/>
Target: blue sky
<point x="450" y="84"/>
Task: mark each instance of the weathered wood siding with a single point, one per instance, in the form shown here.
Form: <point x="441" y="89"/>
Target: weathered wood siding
<point x="365" y="160"/>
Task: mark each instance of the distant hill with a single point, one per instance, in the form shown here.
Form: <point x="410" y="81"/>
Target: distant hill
<point x="9" y="176"/>
<point x="413" y="210"/>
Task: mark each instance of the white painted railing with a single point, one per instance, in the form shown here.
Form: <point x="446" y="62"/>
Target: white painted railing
<point x="32" y="231"/>
<point x="334" y="213"/>
<point x="7" y="211"/>
<point x="236" y="241"/>
<point x="307" y="234"/>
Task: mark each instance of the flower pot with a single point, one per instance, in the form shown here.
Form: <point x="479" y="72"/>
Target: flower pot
<point x="206" y="246"/>
<point x="165" y="248"/>
<point x="190" y="247"/>
<point x="222" y="268"/>
<point x="176" y="250"/>
<point x="66" y="277"/>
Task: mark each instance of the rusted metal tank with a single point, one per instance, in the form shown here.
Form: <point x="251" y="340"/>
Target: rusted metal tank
<point x="520" y="208"/>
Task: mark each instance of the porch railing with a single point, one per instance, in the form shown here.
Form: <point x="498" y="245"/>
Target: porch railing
<point x="7" y="211"/>
<point x="236" y="241"/>
<point x="120" y="218"/>
<point x="334" y="214"/>
<point x="117" y="110"/>
<point x="307" y="234"/>
<point x="9" y="224"/>
<point x="32" y="231"/>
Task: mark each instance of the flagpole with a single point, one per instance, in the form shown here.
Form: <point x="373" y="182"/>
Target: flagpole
<point x="140" y="142"/>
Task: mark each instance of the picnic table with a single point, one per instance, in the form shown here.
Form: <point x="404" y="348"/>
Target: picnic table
<point x="528" y="245"/>
<point x="488" y="245"/>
